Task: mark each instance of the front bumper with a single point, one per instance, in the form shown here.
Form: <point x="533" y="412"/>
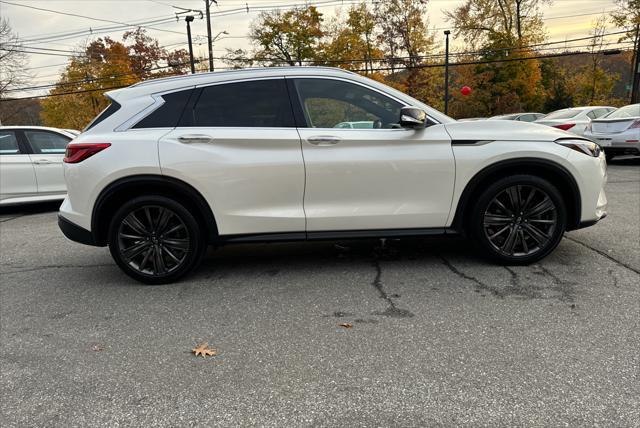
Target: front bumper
<point x="76" y="233"/>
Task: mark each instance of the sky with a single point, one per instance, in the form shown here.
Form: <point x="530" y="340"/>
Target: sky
<point x="564" y="19"/>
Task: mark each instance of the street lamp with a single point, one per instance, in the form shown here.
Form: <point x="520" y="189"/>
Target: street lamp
<point x="446" y="73"/>
<point x="188" y="19"/>
<point x="213" y="40"/>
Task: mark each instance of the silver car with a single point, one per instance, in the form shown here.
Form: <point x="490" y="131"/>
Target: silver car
<point x="618" y="133"/>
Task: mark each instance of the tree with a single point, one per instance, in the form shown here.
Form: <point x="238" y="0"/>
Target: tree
<point x="404" y="31"/>
<point x="12" y="60"/>
<point x="593" y="84"/>
<point x="103" y="65"/>
<point x="290" y="37"/>
<point x="513" y="22"/>
<point x="350" y="43"/>
<point x="627" y="16"/>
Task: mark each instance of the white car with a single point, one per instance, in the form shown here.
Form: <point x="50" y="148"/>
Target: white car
<point x="179" y="163"/>
<point x="618" y="133"/>
<point x="574" y="119"/>
<point x="31" y="164"/>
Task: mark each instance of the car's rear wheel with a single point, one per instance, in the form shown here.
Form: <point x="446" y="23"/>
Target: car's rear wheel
<point x="518" y="219"/>
<point x="155" y="240"/>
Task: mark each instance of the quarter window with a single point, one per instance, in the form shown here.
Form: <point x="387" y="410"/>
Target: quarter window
<point x="329" y="103"/>
<point x="45" y="143"/>
<point x="8" y="143"/>
<point x="259" y="103"/>
<point x="168" y="114"/>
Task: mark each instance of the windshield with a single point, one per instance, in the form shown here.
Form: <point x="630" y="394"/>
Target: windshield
<point x="504" y="117"/>
<point x="563" y="114"/>
<point x="632" y="110"/>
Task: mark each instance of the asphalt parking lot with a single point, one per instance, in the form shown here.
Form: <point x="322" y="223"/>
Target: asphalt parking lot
<point x="439" y="336"/>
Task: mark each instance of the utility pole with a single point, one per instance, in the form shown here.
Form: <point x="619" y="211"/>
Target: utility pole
<point x="210" y="41"/>
<point x="189" y="18"/>
<point x="635" y="77"/>
<point x="446" y="72"/>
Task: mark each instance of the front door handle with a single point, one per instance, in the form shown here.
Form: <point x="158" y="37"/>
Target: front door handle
<point x="42" y="161"/>
<point x="195" y="138"/>
<point x="324" y="140"/>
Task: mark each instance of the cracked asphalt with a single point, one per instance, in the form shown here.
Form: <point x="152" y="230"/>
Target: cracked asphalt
<point x="439" y="336"/>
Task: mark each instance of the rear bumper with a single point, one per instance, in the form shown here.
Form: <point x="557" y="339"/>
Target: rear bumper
<point x="75" y="233"/>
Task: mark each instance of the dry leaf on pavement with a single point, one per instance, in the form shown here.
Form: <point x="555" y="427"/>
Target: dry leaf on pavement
<point x="204" y="350"/>
<point x="345" y="324"/>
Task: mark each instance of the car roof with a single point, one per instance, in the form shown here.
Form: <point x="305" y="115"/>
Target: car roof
<point x="42" y="128"/>
<point x="189" y="80"/>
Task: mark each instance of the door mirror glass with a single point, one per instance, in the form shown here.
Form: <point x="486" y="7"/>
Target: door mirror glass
<point x="413" y="117"/>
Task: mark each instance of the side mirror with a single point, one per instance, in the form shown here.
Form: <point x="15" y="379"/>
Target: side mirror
<point x="413" y="117"/>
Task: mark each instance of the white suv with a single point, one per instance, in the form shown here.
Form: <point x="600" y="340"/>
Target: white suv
<point x="176" y="164"/>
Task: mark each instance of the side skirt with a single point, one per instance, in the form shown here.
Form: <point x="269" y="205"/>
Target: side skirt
<point x="335" y="235"/>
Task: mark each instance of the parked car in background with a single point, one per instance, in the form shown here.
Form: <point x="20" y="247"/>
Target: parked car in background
<point x="179" y="163"/>
<point x="471" y="119"/>
<point x="521" y="117"/>
<point x="31" y="164"/>
<point x="618" y="133"/>
<point x="574" y="119"/>
<point x="363" y="124"/>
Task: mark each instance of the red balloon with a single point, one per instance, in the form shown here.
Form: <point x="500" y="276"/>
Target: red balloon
<point x="465" y="90"/>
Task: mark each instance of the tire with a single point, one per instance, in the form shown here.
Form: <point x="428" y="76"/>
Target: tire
<point x="609" y="156"/>
<point x="155" y="240"/>
<point x="511" y="238"/>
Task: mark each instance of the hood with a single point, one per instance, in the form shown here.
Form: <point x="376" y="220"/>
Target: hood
<point x="504" y="130"/>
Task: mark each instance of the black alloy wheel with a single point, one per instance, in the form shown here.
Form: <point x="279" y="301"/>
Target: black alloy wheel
<point x="155" y="240"/>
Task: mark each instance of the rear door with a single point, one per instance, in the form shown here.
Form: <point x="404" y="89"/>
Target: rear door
<point x="17" y="176"/>
<point x="378" y="176"/>
<point x="47" y="152"/>
<point x="237" y="144"/>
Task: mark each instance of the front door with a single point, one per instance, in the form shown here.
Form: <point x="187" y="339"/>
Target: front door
<point x="237" y="144"/>
<point x="364" y="172"/>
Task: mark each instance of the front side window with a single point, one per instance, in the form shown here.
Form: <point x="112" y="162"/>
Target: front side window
<point x="46" y="143"/>
<point x="259" y="103"/>
<point x="329" y="103"/>
<point x="8" y="143"/>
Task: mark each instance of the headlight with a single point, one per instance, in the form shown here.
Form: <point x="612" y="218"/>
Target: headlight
<point x="583" y="146"/>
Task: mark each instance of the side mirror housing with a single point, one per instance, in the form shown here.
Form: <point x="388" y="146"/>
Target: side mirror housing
<point x="413" y="117"/>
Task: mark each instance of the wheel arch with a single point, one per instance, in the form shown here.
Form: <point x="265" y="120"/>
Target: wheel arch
<point x="123" y="189"/>
<point x="549" y="170"/>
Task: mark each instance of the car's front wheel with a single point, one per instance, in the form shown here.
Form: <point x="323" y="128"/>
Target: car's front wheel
<point x="155" y="240"/>
<point x="518" y="219"/>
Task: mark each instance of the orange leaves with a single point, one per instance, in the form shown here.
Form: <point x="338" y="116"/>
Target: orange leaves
<point x="204" y="350"/>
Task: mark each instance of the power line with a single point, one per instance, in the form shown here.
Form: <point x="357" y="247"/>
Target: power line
<point x="81" y="16"/>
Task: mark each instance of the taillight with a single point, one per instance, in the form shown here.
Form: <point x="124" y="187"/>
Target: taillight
<point x="565" y="126"/>
<point x="635" y="124"/>
<point x="77" y="152"/>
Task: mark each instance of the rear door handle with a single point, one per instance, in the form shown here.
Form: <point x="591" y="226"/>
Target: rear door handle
<point x="195" y="138"/>
<point x="42" y="161"/>
<point x="324" y="140"/>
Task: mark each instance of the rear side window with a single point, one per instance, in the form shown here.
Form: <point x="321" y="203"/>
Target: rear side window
<point x="168" y="114"/>
<point x="112" y="108"/>
<point x="563" y="114"/>
<point x="8" y="143"/>
<point x="45" y="143"/>
<point x="260" y="103"/>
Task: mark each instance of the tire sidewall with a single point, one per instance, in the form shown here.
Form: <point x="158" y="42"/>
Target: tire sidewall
<point x="196" y="248"/>
<point x="477" y="218"/>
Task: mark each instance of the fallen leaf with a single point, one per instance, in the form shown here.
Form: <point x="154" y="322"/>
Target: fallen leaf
<point x="345" y="324"/>
<point x="204" y="350"/>
<point x="97" y="347"/>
